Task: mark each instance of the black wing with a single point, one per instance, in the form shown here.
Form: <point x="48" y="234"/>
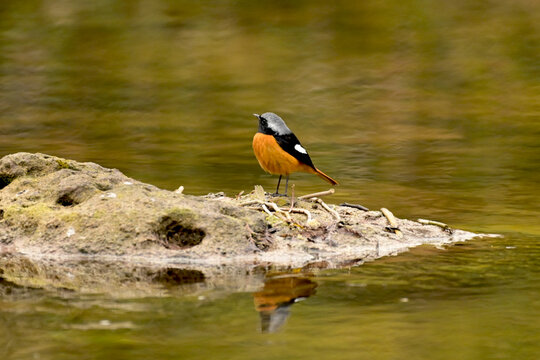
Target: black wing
<point x="291" y="145"/>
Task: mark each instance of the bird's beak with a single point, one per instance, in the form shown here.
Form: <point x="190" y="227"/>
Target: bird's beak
<point x="257" y="115"/>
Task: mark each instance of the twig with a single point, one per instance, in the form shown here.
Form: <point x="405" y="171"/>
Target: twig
<point x="273" y="206"/>
<point x="285" y="212"/>
<point x="292" y="197"/>
<point x="302" y="211"/>
<point x="266" y="205"/>
<point x="250" y="232"/>
<point x="278" y="210"/>
<point x="392" y="221"/>
<point x="250" y="202"/>
<point x="327" y="208"/>
<point x="433" y="222"/>
<point x="239" y="194"/>
<point x="266" y="210"/>
<point x="317" y="194"/>
<point x="288" y="216"/>
<point x="179" y="190"/>
<point x="356" y="206"/>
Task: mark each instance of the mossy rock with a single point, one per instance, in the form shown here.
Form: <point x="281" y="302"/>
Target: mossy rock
<point x="56" y="207"/>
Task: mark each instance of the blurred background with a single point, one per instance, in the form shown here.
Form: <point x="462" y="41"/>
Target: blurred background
<point x="430" y="108"/>
<point x="410" y="105"/>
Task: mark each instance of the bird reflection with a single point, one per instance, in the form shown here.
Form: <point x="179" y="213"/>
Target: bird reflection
<point x="279" y="293"/>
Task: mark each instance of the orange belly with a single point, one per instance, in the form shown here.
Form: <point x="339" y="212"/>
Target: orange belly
<point x="273" y="158"/>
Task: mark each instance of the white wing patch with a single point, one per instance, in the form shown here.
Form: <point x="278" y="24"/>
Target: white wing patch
<point x="300" y="149"/>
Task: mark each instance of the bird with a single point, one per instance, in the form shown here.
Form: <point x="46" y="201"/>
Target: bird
<point x="279" y="151"/>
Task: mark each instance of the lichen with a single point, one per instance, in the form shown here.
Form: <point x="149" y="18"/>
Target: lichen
<point x="99" y="214"/>
<point x="70" y="217"/>
<point x="35" y="211"/>
<point x="273" y="220"/>
<point x="64" y="164"/>
<point x="186" y="215"/>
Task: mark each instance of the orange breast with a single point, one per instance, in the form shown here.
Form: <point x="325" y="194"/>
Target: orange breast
<point x="273" y="158"/>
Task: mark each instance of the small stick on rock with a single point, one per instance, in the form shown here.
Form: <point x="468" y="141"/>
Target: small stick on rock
<point x="266" y="210"/>
<point x="266" y="205"/>
<point x="327" y="208"/>
<point x="239" y="195"/>
<point x="317" y="194"/>
<point x="292" y="197"/>
<point x="288" y="216"/>
<point x="273" y="206"/>
<point x="310" y="222"/>
<point x="356" y="206"/>
<point x="282" y="218"/>
<point x="433" y="222"/>
<point x="392" y="220"/>
<point x="301" y="211"/>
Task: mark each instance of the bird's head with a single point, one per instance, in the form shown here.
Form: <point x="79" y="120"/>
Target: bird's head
<point x="271" y="124"/>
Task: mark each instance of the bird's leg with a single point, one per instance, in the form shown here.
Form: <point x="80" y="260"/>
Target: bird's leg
<point x="277" y="189"/>
<point x="278" y="183"/>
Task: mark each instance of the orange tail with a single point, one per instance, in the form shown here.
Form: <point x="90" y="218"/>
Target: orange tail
<point x="325" y="177"/>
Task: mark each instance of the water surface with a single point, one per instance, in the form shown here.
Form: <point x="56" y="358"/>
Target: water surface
<point x="428" y="108"/>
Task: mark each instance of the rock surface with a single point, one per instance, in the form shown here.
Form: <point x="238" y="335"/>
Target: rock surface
<point x="53" y="208"/>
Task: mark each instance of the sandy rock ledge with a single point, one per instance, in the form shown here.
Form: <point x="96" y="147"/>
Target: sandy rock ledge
<point x="54" y="208"/>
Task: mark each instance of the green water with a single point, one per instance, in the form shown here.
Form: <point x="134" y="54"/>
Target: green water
<point x="429" y="108"/>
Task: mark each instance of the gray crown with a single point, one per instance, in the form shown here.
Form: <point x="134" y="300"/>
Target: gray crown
<point x="276" y="123"/>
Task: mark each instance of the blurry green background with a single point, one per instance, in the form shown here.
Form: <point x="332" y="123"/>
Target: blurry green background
<point x="429" y="108"/>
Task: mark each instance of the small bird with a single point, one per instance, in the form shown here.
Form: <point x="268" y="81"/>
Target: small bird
<point x="279" y="151"/>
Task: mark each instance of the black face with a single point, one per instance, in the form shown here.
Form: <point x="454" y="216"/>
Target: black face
<point x="263" y="127"/>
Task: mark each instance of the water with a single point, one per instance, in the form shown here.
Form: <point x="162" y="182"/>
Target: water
<point x="428" y="108"/>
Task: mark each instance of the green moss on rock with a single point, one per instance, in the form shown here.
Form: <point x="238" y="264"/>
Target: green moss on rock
<point x="65" y="164"/>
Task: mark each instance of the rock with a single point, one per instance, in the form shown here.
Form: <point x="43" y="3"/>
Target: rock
<point x="53" y="208"/>
<point x="51" y="205"/>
